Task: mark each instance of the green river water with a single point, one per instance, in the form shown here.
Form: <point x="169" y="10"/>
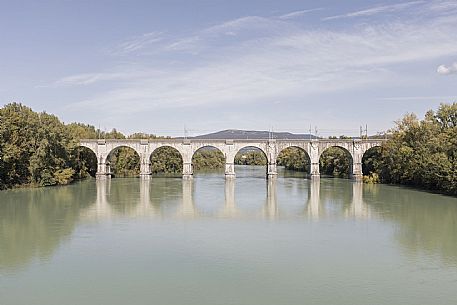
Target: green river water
<point x="212" y="241"/>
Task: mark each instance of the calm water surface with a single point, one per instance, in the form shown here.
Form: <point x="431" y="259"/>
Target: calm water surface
<point x="211" y="241"/>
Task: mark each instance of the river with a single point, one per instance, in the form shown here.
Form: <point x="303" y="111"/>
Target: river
<point x="212" y="241"/>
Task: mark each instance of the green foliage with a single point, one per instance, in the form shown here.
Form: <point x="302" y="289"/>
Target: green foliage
<point x="64" y="176"/>
<point x="124" y="162"/>
<point x="208" y="158"/>
<point x="372" y="178"/>
<point x="294" y="158"/>
<point x="141" y="135"/>
<point x="166" y="160"/>
<point x="340" y="137"/>
<point x="422" y="153"/>
<point x="38" y="149"/>
<point x="371" y="160"/>
<point x="250" y="157"/>
<point x="336" y="162"/>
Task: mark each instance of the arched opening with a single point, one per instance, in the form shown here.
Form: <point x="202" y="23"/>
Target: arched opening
<point x="166" y="161"/>
<point x="251" y="161"/>
<point x="84" y="163"/>
<point x="208" y="159"/>
<point x="123" y="162"/>
<point x="293" y="162"/>
<point x="371" y="164"/>
<point x="335" y="161"/>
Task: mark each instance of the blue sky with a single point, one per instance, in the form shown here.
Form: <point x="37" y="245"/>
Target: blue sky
<point x="157" y="66"/>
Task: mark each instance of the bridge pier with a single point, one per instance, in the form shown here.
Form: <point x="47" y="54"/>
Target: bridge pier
<point x="103" y="169"/>
<point x="272" y="172"/>
<point x="187" y="171"/>
<point x="357" y="173"/>
<point x="315" y="174"/>
<point x="229" y="170"/>
<point x="314" y="153"/>
<point x="145" y="168"/>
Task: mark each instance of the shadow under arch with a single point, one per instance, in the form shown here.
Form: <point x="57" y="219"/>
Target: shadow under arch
<point x="208" y="158"/>
<point x="85" y="162"/>
<point x="294" y="159"/>
<point x="336" y="161"/>
<point x="166" y="161"/>
<point x="123" y="161"/>
<point x="251" y="155"/>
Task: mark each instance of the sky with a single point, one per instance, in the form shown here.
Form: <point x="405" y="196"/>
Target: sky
<point x="171" y="67"/>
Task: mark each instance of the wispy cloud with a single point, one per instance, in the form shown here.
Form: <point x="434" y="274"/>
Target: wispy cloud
<point x="137" y="43"/>
<point x="184" y="44"/>
<point x="86" y="79"/>
<point x="392" y="8"/>
<point x="89" y="78"/>
<point x="300" y="13"/>
<point x="443" y="6"/>
<point x="447" y="70"/>
<point x="270" y="60"/>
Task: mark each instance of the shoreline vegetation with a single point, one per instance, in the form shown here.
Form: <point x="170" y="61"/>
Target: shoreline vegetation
<point x="37" y="149"/>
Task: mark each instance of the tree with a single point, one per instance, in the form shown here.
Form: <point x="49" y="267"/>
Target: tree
<point x="422" y="153"/>
<point x="294" y="158"/>
<point x="335" y="161"/>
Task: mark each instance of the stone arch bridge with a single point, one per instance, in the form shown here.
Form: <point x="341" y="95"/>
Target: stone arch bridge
<point x="356" y="148"/>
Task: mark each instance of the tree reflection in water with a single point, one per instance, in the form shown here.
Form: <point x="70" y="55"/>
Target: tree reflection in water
<point x="34" y="222"/>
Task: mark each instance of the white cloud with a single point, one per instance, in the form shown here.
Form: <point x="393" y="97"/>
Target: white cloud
<point x="376" y="10"/>
<point x="270" y="60"/>
<point x="184" y="44"/>
<point x="446" y="70"/>
<point x="86" y="79"/>
<point x="299" y="13"/>
<point x="443" y="6"/>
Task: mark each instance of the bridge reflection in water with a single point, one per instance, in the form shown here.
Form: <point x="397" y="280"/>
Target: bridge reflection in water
<point x="34" y="223"/>
<point x="315" y="204"/>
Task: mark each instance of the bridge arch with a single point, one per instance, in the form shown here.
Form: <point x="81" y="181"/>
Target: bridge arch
<point x="166" y="159"/>
<point x="125" y="160"/>
<point x="86" y="161"/>
<point x="253" y="145"/>
<point x="89" y="146"/>
<point x="253" y="149"/>
<point x="209" y="147"/>
<point x="336" y="159"/>
<point x="370" y="147"/>
<point x="113" y="147"/>
<point x="346" y="147"/>
<point x="369" y="159"/>
<point x="251" y="155"/>
<point x="209" y="157"/>
<point x="294" y="157"/>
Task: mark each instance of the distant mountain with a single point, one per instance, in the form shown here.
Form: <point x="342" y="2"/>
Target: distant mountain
<point x="236" y="134"/>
